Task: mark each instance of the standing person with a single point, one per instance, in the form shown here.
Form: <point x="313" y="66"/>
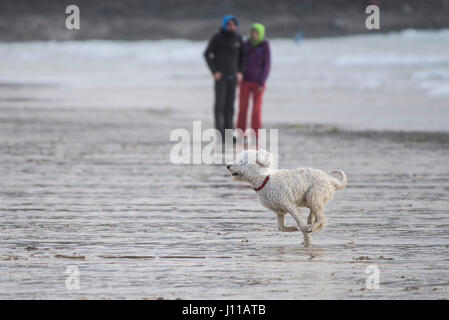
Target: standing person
<point x="256" y="73"/>
<point x="225" y="57"/>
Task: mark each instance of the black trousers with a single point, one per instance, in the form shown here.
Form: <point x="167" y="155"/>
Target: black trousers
<point x="224" y="103"/>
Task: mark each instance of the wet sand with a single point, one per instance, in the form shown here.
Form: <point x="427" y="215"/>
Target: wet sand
<point x="86" y="179"/>
<point x="95" y="189"/>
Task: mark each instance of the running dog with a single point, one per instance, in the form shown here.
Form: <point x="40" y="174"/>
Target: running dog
<point x="285" y="191"/>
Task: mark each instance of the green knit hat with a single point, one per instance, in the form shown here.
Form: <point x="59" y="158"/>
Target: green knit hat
<point x="260" y="28"/>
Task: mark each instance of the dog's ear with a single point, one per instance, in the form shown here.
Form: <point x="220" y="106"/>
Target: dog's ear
<point x="264" y="158"/>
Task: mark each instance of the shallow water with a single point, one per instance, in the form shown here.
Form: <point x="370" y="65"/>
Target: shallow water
<point x="97" y="186"/>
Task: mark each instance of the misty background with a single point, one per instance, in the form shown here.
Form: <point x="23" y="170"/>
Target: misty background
<point x="25" y="20"/>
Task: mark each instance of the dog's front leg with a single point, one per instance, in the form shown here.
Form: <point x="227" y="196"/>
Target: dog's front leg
<point x="281" y="224"/>
<point x="296" y="214"/>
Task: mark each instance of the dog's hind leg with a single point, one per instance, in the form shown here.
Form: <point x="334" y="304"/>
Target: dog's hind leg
<point x="296" y="214"/>
<point x="320" y="220"/>
<point x="281" y="224"/>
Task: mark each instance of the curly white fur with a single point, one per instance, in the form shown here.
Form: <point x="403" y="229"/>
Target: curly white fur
<point x="287" y="190"/>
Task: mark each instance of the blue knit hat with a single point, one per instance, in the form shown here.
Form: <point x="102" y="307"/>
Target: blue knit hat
<point x="228" y="18"/>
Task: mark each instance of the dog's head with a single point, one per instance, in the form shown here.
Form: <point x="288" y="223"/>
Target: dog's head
<point x="250" y="164"/>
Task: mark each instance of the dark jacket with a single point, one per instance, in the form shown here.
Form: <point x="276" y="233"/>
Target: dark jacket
<point x="258" y="62"/>
<point x="225" y="53"/>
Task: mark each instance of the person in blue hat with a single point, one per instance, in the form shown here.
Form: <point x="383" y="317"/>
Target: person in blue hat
<point x="225" y="56"/>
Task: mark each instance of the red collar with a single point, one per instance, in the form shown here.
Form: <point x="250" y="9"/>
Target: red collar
<point x="263" y="184"/>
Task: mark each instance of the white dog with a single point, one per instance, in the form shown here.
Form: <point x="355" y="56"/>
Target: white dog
<point x="284" y="191"/>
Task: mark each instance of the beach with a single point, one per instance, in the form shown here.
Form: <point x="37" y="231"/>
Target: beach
<point x="86" y="178"/>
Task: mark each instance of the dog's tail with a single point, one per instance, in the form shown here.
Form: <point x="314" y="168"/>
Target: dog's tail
<point x="339" y="185"/>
